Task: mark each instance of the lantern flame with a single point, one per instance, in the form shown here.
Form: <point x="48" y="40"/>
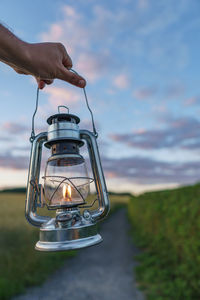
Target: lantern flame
<point x="67" y="192"/>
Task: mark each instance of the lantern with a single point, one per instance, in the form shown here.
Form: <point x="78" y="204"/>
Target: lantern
<point x="66" y="186"/>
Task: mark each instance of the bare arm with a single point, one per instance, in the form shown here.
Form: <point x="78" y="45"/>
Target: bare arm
<point x="45" y="61"/>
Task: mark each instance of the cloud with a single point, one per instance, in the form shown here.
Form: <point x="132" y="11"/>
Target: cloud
<point x="93" y="65"/>
<point x="69" y="30"/>
<point x="4" y="139"/>
<point x="163" y="16"/>
<point x="141" y="170"/>
<point x="13" y="127"/>
<point x="162" y="108"/>
<point x="79" y="34"/>
<point x="134" y="169"/>
<point x="175" y="90"/>
<point x="108" y="38"/>
<point x="182" y="133"/>
<point x="63" y="96"/>
<point x="143" y="4"/>
<point x="121" y="81"/>
<point x="9" y="161"/>
<point x="130" y="37"/>
<point x="192" y="101"/>
<point x="144" y="93"/>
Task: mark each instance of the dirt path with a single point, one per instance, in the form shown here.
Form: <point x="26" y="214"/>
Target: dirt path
<point x="102" y="272"/>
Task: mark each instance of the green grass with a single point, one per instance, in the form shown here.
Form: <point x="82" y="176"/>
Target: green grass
<point x="166" y="225"/>
<point x="20" y="265"/>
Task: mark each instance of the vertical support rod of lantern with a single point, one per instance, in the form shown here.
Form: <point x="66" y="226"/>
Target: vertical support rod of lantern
<point x="33" y="178"/>
<point x="104" y="205"/>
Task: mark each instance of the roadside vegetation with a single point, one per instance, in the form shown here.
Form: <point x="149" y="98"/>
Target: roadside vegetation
<point x="21" y="265"/>
<point x="166" y="225"/>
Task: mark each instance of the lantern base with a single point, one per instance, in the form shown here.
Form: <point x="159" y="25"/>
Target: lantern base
<point x="62" y="239"/>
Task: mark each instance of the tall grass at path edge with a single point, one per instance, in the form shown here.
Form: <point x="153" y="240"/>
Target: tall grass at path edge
<point x="166" y="225"/>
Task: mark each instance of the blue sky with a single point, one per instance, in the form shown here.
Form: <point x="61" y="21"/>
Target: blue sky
<point x="141" y="62"/>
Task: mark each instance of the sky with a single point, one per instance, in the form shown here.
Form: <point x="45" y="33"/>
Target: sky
<point x="141" y="62"/>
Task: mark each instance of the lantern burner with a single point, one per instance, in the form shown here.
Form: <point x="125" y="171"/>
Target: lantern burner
<point x="65" y="147"/>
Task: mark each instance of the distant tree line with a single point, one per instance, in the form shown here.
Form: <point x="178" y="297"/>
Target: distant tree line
<point x="14" y="190"/>
<point x="23" y="190"/>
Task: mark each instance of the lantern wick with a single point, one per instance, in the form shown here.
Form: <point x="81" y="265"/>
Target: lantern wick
<point x="67" y="192"/>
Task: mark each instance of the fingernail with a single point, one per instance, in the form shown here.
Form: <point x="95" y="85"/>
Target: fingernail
<point x="41" y="85"/>
<point x="82" y="83"/>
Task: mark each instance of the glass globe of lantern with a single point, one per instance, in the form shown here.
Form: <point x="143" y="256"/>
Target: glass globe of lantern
<point x="66" y="181"/>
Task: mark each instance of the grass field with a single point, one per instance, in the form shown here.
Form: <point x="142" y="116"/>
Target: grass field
<point x="20" y="265"/>
<point x="166" y="225"/>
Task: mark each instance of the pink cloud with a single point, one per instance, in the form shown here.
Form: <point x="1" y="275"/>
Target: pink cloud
<point x="92" y="65"/>
<point x="143" y="170"/>
<point x="160" y="108"/>
<point x="10" y="161"/>
<point x="70" y="11"/>
<point x="175" y="90"/>
<point x="78" y="37"/>
<point x="191" y="101"/>
<point x="68" y="30"/>
<point x="182" y="133"/>
<point x="140" y="131"/>
<point x="62" y="96"/>
<point x="144" y="93"/>
<point x="14" y="128"/>
<point x="55" y="34"/>
<point x="121" y="81"/>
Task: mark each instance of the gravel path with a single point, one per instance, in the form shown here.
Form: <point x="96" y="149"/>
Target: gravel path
<point x="102" y="272"/>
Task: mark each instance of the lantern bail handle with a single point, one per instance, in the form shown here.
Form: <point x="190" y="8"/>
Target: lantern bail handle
<point x="32" y="137"/>
<point x="87" y="103"/>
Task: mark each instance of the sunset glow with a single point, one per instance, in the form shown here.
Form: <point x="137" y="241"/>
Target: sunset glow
<point x="141" y="63"/>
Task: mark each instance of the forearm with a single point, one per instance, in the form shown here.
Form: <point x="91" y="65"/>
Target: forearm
<point x="44" y="61"/>
<point x="12" y="49"/>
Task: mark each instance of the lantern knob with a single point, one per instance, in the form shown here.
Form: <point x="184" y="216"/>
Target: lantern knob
<point x="64" y="216"/>
<point x="59" y="106"/>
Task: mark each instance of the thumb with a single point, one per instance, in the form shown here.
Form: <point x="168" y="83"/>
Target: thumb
<point x="70" y="77"/>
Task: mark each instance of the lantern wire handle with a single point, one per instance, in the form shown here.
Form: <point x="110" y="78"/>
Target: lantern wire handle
<point x="87" y="103"/>
<point x="32" y="137"/>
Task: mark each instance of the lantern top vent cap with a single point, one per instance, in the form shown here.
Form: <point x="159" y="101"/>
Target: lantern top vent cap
<point x="63" y="118"/>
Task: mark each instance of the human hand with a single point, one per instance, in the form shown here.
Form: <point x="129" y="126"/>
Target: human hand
<point x="46" y="62"/>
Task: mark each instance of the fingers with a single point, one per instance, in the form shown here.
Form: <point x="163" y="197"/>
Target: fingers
<point x="19" y="71"/>
<point x="66" y="60"/>
<point x="65" y="74"/>
<point x="42" y="83"/>
<point x="48" y="81"/>
<point x="70" y="77"/>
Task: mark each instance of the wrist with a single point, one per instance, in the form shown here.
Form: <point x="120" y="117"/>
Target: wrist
<point x="13" y="50"/>
<point x="25" y="52"/>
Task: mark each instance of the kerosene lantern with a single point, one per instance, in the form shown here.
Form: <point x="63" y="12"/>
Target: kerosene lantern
<point x="66" y="186"/>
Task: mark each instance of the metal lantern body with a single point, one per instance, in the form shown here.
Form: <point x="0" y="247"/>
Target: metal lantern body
<point x="66" y="186"/>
